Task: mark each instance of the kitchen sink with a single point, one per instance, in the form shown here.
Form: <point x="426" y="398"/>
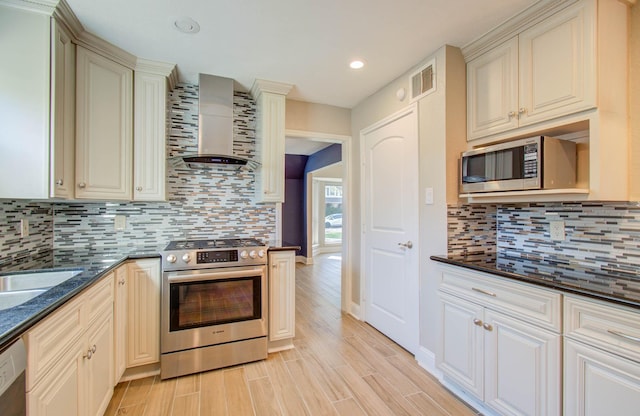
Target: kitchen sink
<point x="18" y="288"/>
<point x="35" y="280"/>
<point x="17" y="297"/>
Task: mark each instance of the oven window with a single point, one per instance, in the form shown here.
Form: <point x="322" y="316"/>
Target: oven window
<point x="213" y="302"/>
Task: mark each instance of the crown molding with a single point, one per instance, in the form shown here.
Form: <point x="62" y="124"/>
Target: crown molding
<point x="41" y="6"/>
<point x="516" y="24"/>
<point x="65" y="16"/>
<point x="273" y="87"/>
<point x="106" y="49"/>
<point x="164" y="69"/>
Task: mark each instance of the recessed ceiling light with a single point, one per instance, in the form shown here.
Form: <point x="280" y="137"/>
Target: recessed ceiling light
<point x="356" y="64"/>
<point x="186" y="25"/>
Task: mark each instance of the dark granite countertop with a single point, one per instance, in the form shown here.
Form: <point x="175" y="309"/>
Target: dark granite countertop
<point x="620" y="286"/>
<point x="277" y="245"/>
<point x="94" y="263"/>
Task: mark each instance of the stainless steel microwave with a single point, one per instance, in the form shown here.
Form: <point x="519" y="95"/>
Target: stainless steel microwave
<point x="539" y="162"/>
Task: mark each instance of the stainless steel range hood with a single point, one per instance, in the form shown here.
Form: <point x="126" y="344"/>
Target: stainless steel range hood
<point x="215" y="125"/>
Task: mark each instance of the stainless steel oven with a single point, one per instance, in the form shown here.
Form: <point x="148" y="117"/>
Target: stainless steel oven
<point x="214" y="305"/>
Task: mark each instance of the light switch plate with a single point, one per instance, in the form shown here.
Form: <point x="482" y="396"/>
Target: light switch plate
<point x="428" y="196"/>
<point x="24" y="228"/>
<point x="556" y="230"/>
<point x="120" y="222"/>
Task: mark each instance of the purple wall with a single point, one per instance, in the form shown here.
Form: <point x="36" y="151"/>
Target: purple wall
<point x="294" y="208"/>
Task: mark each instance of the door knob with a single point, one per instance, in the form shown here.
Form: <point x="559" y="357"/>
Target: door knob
<point x="408" y="244"/>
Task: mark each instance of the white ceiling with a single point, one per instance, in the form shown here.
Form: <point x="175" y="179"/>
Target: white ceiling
<point x="303" y="146"/>
<point x="300" y="42"/>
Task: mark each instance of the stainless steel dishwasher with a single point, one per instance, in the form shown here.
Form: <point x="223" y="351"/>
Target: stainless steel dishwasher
<point x="13" y="362"/>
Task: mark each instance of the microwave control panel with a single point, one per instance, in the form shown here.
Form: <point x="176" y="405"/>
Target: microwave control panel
<point x="530" y="160"/>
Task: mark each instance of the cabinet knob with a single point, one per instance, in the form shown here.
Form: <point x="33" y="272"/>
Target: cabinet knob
<point x="522" y="110"/>
<point x="477" y="322"/>
<point x="487" y="327"/>
<point x="139" y="188"/>
<point x="512" y="114"/>
<point x="82" y="185"/>
<point x="59" y="182"/>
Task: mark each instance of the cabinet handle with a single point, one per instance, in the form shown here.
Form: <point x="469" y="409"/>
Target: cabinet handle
<point x="93" y="349"/>
<point x="82" y="185"/>
<point x="121" y="282"/>
<point x="477" y="322"/>
<point x="487" y="327"/>
<point x="88" y="355"/>
<point x="139" y="188"/>
<point x="59" y="182"/>
<point x="484" y="292"/>
<point x="512" y="114"/>
<point x="622" y="335"/>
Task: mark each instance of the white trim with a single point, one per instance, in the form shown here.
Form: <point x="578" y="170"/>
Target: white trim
<point x="347" y="210"/>
<point x="273" y="87"/>
<point x="427" y="360"/>
<point x="413" y="107"/>
<point x="304" y="260"/>
<point x="354" y="311"/>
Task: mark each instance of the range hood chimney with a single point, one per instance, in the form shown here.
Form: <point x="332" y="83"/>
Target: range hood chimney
<point x="215" y="125"/>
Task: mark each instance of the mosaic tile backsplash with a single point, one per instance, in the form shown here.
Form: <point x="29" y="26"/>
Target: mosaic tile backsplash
<point x="215" y="202"/>
<point x="471" y="229"/>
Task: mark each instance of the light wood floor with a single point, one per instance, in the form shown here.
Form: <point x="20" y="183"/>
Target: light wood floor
<point x="340" y="366"/>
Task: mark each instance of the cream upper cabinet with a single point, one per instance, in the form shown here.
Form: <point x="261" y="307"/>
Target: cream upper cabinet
<point x="270" y="142"/>
<point x="282" y="299"/>
<point x="544" y="72"/>
<point x="24" y="86"/>
<point x="63" y="99"/>
<point x="492" y="91"/>
<point x="150" y="129"/>
<point x="104" y="130"/>
<point x="143" y="312"/>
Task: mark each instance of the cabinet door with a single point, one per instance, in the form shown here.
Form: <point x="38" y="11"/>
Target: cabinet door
<point x="104" y="131"/>
<point x="120" y="323"/>
<point x="557" y="65"/>
<point x="63" y="99"/>
<point x="99" y="364"/>
<point x="522" y="367"/>
<point x="143" y="312"/>
<point x="270" y="148"/>
<point x="282" y="295"/>
<point x="460" y="350"/>
<point x="60" y="392"/>
<point x="149" y="156"/>
<point x="599" y="383"/>
<point x="492" y="91"/>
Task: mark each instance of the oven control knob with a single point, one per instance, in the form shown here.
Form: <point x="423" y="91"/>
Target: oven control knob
<point x="253" y="254"/>
<point x="244" y="254"/>
<point x="171" y="258"/>
<point x="261" y="253"/>
<point x="186" y="258"/>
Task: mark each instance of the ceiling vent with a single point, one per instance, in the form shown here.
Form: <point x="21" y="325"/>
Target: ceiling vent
<point x="423" y="81"/>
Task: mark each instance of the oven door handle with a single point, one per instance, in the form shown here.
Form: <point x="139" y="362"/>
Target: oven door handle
<point x="216" y="275"/>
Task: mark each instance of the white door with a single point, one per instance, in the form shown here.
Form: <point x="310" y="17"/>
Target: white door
<point x="390" y="215"/>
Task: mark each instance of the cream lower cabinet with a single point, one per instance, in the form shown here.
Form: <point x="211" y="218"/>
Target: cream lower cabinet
<point x="491" y="347"/>
<point x="282" y="299"/>
<point x="120" y="321"/>
<point x="143" y="312"/>
<point x="601" y="356"/>
<point x="70" y="356"/>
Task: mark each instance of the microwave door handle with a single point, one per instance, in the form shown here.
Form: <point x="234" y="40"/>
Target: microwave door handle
<point x="215" y="275"/>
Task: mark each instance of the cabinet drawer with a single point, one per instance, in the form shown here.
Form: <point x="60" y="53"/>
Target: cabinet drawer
<point x="48" y="341"/>
<point x="99" y="296"/>
<point x="532" y="304"/>
<point x="611" y="327"/>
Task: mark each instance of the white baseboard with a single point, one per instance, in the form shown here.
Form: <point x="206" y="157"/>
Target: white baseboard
<point x="354" y="310"/>
<point x="427" y="360"/>
<point x="304" y="260"/>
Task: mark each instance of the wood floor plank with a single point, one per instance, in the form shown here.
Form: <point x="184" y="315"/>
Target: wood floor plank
<point x="160" y="399"/>
<point x="310" y="390"/>
<point x="133" y="410"/>
<point x="213" y="400"/>
<point x="391" y="396"/>
<point x="137" y="392"/>
<point x="290" y="355"/>
<point x="348" y="407"/>
<point x="264" y="398"/>
<point x="427" y="406"/>
<point x="186" y="404"/>
<point x="367" y="398"/>
<point x="188" y="384"/>
<point x="285" y="388"/>
<point x="255" y="370"/>
<point x="330" y="382"/>
<point x="237" y="392"/>
<point x="118" y="394"/>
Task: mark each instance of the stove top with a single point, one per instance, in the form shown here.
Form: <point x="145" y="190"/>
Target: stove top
<point x="201" y="254"/>
<point x="224" y="243"/>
